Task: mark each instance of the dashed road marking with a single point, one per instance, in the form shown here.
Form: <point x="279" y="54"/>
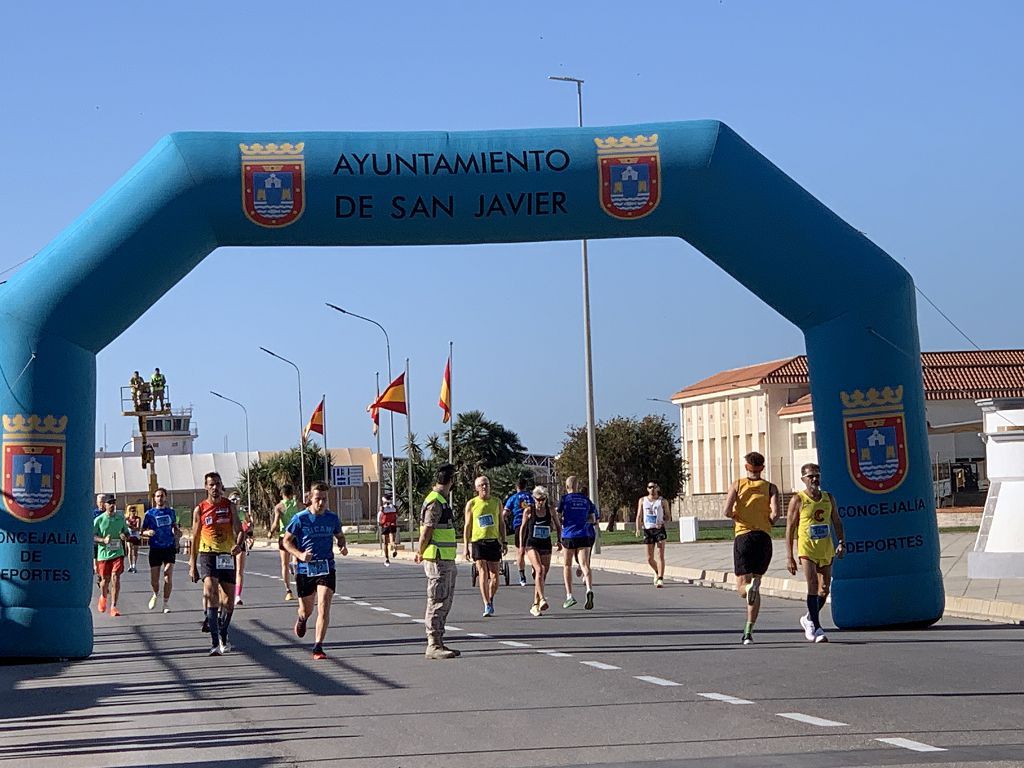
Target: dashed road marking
<point x="401" y="615"/>
<point x="599" y="665"/>
<point x="480" y="635"/>
<point x="555" y="654"/>
<point x="811" y="720"/>
<point x="363" y="603"/>
<point x="656" y="680"/>
<point x="378" y="608"/>
<point x="419" y="621"/>
<point x="515" y="644"/>
<point x="450" y="628"/>
<point x="345" y="597"/>
<point x="917" y="746"/>
<point x="724" y="697"/>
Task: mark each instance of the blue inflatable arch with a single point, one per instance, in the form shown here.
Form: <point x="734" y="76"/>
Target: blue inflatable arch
<point x="699" y="181"/>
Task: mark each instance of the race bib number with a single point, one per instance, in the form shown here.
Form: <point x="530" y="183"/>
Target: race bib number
<point x="225" y="563"/>
<point x="318" y="568"/>
<point x="542" y="531"/>
<point x="485" y="521"/>
<point x="819" y="532"/>
<point x="114" y="545"/>
<point x="163" y="521"/>
<point x="651" y="521"/>
<point x="208" y="520"/>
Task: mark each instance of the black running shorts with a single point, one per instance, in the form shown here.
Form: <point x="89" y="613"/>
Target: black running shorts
<point x="161" y="556"/>
<point x="752" y="553"/>
<point x="206" y="563"/>
<point x="581" y="542"/>
<point x="488" y="550"/>
<point x="306" y="585"/>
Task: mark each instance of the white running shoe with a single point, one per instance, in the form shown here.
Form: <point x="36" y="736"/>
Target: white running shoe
<point x="152" y="602"/>
<point x="216" y="651"/>
<point x="808" y="625"/>
<point x="819" y="636"/>
<point x="535" y="610"/>
<point x="225" y="647"/>
<point x="167" y="608"/>
<point x="387" y="563"/>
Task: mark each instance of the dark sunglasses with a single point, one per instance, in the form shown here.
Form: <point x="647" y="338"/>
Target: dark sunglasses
<point x="813" y="477"/>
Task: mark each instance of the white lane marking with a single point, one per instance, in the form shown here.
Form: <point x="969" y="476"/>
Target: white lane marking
<point x="811" y="720"/>
<point x="401" y="615"/>
<point x="345" y="597"/>
<point x="555" y="654"/>
<point x="481" y="635"/>
<point x="378" y="608"/>
<point x="917" y="746"/>
<point x="362" y="602"/>
<point x="419" y="621"/>
<point x="515" y="644"/>
<point x="723" y="697"/>
<point x="599" y="665"/>
<point x="656" y="680"/>
<point x="450" y="628"/>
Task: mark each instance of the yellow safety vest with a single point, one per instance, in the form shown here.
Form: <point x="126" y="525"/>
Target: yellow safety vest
<point x="442" y="543"/>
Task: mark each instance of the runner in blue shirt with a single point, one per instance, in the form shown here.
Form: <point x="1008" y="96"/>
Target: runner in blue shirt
<point x="516" y="504"/>
<point x="578" y="515"/>
<point x="310" y="538"/>
<point x="160" y="524"/>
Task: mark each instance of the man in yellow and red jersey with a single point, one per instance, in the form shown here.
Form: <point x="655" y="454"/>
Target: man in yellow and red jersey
<point x="216" y="538"/>
<point x="753" y="506"/>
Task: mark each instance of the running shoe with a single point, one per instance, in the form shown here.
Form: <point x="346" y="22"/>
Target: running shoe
<point x="238" y="600"/>
<point x="115" y="612"/>
<point x="570" y="601"/>
<point x="288" y="595"/>
<point x="225" y="647"/>
<point x="216" y="651"/>
<point x="152" y="602"/>
<point x="819" y="636"/>
<point x="753" y="588"/>
<point x="589" y="605"/>
<point x="394" y="553"/>
<point x="522" y="579"/>
<point x="748" y="638"/>
<point x="659" y="582"/>
<point x="101" y="604"/>
<point x="535" y="609"/>
<point x="808" y="626"/>
<point x="387" y="563"/>
<point x="488" y="610"/>
<point x="300" y="627"/>
<point x="318" y="654"/>
<point x="544" y="605"/>
<point x="167" y="608"/>
<point x="579" y="572"/>
<point x="206" y="625"/>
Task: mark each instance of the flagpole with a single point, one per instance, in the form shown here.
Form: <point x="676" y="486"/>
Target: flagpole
<point x="451" y="409"/>
<point x="408" y="450"/>
<point x="323" y="415"/>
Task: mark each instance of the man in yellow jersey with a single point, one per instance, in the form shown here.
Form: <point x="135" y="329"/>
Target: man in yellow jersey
<point x="216" y="538"/>
<point x="284" y="511"/>
<point x="810" y="520"/>
<point x="484" y="539"/>
<point x="436" y="550"/>
<point x="753" y="506"/>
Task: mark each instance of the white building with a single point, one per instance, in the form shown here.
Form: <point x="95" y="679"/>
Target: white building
<point x="767" y="408"/>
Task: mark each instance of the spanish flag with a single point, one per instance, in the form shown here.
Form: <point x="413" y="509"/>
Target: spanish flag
<point x="316" y="421"/>
<point x="391" y="399"/>
<point x="445" y="400"/>
<point x="375" y="415"/>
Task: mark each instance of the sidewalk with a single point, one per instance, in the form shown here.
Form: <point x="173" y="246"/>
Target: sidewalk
<point x="710" y="563"/>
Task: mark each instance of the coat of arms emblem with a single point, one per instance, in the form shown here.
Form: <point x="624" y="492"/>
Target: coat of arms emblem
<point x="273" y="183"/>
<point x="876" y="438"/>
<point x="33" y="466"/>
<point x="630" y="184"/>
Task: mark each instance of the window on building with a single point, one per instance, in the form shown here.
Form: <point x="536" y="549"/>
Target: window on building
<point x="799" y="441"/>
<point x="149" y="425"/>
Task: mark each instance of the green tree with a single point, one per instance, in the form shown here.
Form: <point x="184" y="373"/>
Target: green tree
<point x="630" y="452"/>
<point x="268" y="476"/>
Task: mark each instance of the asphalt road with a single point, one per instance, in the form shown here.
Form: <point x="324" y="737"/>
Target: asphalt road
<point x="648" y="678"/>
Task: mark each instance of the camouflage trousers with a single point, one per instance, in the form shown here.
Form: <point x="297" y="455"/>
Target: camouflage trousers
<point x="440" y="591"/>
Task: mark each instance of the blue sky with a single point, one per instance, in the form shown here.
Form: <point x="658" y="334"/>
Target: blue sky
<point x="904" y="118"/>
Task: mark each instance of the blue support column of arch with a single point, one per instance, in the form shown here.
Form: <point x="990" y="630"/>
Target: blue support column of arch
<point x="699" y="181"/>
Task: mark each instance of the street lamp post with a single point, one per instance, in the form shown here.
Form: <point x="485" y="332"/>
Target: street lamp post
<point x="587" y="357"/>
<point x="391" y="415"/>
<point x="682" y="433"/>
<point x="302" y="436"/>
<point x="248" y="456"/>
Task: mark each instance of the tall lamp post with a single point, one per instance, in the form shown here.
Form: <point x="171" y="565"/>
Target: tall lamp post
<point x="587" y="357"/>
<point x="302" y="436"/>
<point x="248" y="456"/>
<point x="391" y="415"/>
<point x="682" y="433"/>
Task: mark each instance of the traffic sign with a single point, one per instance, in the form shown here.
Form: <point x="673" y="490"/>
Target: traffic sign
<point x="347" y="476"/>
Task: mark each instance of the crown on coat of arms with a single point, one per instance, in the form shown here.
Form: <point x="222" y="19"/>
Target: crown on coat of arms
<point x="272" y="150"/>
<point x="872" y="398"/>
<point x="20" y="424"/>
<point x="628" y="142"/>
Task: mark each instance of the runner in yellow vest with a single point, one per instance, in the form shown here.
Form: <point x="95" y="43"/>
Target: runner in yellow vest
<point x="484" y="538"/>
<point x="753" y="506"/>
<point x="810" y="520"/>
<point x="284" y="511"/>
<point x="436" y="550"/>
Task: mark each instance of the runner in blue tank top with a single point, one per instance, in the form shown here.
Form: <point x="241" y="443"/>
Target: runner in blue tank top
<point x="517" y="504"/>
<point x="578" y="515"/>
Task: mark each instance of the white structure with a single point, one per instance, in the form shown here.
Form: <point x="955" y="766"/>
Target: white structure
<point x="999" y="550"/>
<point x="767" y="408"/>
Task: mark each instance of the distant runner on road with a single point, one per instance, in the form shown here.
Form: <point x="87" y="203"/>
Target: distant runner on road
<point x="579" y="516"/>
<point x="753" y="506"/>
<point x="484" y="539"/>
<point x="650" y="518"/>
<point x="160" y="524"/>
<point x="810" y="520"/>
<point x="516" y="507"/>
<point x="284" y="511"/>
<point x="540" y="527"/>
<point x="387" y="519"/>
<point x="110" y="532"/>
